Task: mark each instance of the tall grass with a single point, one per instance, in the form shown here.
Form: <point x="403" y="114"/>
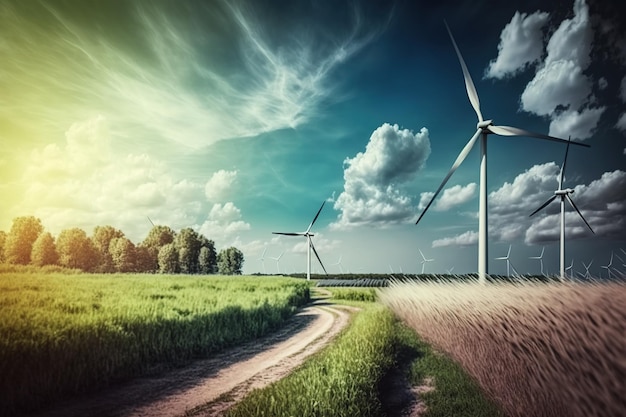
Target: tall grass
<point x="342" y="381"/>
<point x="63" y="334"/>
<point x="538" y="349"/>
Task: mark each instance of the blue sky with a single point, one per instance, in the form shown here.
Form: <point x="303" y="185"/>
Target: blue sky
<point x="241" y="118"/>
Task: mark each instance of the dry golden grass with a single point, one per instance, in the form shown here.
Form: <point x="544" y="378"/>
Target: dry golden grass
<point x="555" y="349"/>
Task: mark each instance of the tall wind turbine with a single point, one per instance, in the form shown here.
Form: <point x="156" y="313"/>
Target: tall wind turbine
<point x="564" y="194"/>
<point x="484" y="128"/>
<point x="310" y="246"/>
<point x="540" y="257"/>
<point x="424" y="260"/>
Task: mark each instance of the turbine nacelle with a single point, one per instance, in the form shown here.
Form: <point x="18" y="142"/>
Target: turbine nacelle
<point x="484" y="125"/>
<point x="564" y="192"/>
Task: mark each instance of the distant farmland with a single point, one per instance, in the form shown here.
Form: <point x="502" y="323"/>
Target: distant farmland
<point x="62" y="334"/>
<point x="538" y="349"/>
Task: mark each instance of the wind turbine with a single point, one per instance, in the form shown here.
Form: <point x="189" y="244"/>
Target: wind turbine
<point x="564" y="194"/>
<point x="262" y="259"/>
<point x="484" y="128"/>
<point x="608" y="266"/>
<point x="278" y="259"/>
<point x="338" y="263"/>
<point x="308" y="236"/>
<point x="540" y="257"/>
<point x="508" y="261"/>
<point x="424" y="260"/>
<point x="587" y="274"/>
<point x="571" y="271"/>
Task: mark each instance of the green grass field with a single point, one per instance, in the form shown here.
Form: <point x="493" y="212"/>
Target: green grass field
<point x="62" y="334"/>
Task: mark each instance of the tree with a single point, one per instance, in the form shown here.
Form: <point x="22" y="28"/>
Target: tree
<point x="102" y="237"/>
<point x="3" y="239"/>
<point x="230" y="261"/>
<point x="168" y="259"/>
<point x="76" y="250"/>
<point x="158" y="237"/>
<point x="123" y="254"/>
<point x="207" y="260"/>
<point x="44" y="251"/>
<point x="188" y="244"/>
<point x="19" y="242"/>
<point x="143" y="259"/>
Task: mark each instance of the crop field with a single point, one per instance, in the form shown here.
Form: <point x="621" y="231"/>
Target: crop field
<point x="537" y="349"/>
<point x="62" y="334"/>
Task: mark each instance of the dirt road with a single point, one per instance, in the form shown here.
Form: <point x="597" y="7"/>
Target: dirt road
<point x="208" y="387"/>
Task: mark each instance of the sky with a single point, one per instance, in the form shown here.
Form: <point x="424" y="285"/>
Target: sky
<point x="240" y="118"/>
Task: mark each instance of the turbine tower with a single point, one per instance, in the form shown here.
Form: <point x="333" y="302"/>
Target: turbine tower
<point x="564" y="195"/>
<point x="308" y="235"/>
<point x="424" y="260"/>
<point x="484" y="128"/>
<point x="278" y="259"/>
<point x="540" y="257"/>
<point x="262" y="259"/>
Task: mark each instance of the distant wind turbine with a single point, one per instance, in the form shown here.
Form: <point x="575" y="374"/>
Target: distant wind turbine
<point x="608" y="266"/>
<point x="338" y="263"/>
<point x="564" y="194"/>
<point x="424" y="260"/>
<point x="278" y="259"/>
<point x="262" y="259"/>
<point x="570" y="269"/>
<point x="540" y="257"/>
<point x="484" y="128"/>
<point x="150" y="221"/>
<point x="308" y="235"/>
<point x="587" y="275"/>
<point x="507" y="258"/>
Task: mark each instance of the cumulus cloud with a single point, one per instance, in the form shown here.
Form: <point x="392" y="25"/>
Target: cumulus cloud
<point x="572" y="39"/>
<point x="373" y="179"/>
<point x="520" y="46"/>
<point x="223" y="222"/>
<point x="216" y="189"/>
<point x="468" y="238"/>
<point x="424" y="199"/>
<point x="455" y="196"/>
<point x="558" y="83"/>
<point x="577" y="124"/>
<point x="83" y="183"/>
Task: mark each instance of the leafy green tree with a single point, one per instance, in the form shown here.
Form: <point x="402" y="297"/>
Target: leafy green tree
<point x="76" y="250"/>
<point x="44" y="251"/>
<point x="207" y="260"/>
<point x="123" y="254"/>
<point x="102" y="237"/>
<point x="19" y="242"/>
<point x="3" y="239"/>
<point x="143" y="259"/>
<point x="188" y="243"/>
<point x="158" y="237"/>
<point x="168" y="259"/>
<point x="230" y="261"/>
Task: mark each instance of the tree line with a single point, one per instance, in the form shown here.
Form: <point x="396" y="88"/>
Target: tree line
<point x="108" y="250"/>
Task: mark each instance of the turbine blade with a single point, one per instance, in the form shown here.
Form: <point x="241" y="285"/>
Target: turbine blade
<point x="459" y="159"/>
<point x="569" y="139"/>
<point x="288" y="234"/>
<point x="551" y="199"/>
<point x="514" y="131"/>
<point x="318" y="257"/>
<point x="469" y="84"/>
<point x="578" y="211"/>
<point x="316" y="216"/>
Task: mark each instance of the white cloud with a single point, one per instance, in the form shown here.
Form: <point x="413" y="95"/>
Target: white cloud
<point x="373" y="179"/>
<point x="520" y="44"/>
<point x="468" y="238"/>
<point x="602" y="83"/>
<point x="83" y="183"/>
<point x="455" y="196"/>
<point x="424" y="199"/>
<point x="559" y="83"/>
<point x="223" y="222"/>
<point x="572" y="39"/>
<point x="216" y="189"/>
<point x="577" y="124"/>
<point x="621" y="122"/>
